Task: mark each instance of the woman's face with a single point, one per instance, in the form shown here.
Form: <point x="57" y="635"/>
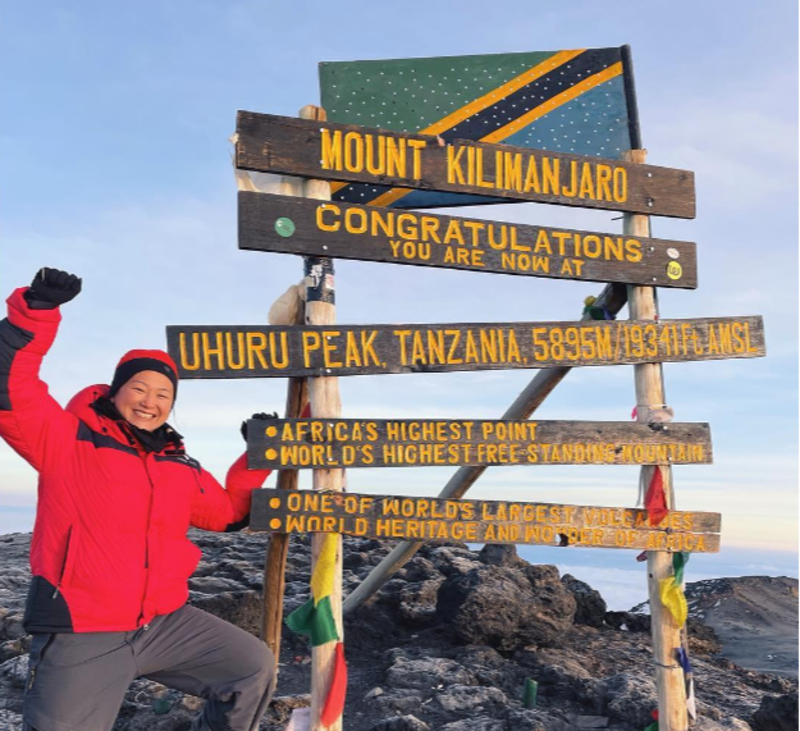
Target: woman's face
<point x="145" y="400"/>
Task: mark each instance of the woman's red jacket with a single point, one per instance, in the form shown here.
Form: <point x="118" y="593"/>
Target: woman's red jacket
<point x="109" y="549"/>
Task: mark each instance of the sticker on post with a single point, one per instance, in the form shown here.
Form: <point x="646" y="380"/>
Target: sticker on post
<point x="284" y="226"/>
<point x="674" y="270"/>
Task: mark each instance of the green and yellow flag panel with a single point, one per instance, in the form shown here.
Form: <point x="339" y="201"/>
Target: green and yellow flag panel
<point x="315" y="617"/>
<point x="560" y="101"/>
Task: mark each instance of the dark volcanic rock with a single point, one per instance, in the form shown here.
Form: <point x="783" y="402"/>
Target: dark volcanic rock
<point x="427" y="673"/>
<point x="501" y="554"/>
<point x="447" y="644"/>
<point x="590" y="606"/>
<point x="401" y="723"/>
<point x="776" y="713"/>
<point x="506" y="608"/>
<point x="628" y="621"/>
<point x="242" y="608"/>
<point x="629" y="697"/>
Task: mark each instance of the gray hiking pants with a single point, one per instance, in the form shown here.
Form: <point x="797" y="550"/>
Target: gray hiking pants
<point x="77" y="682"/>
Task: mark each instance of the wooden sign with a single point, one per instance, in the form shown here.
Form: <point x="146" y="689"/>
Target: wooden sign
<point x="327" y="443"/>
<point x="481" y="521"/>
<point x="268" y="143"/>
<point x="349" y="350"/>
<point x="341" y="230"/>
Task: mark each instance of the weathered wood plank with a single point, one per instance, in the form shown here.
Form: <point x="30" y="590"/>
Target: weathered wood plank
<point x="482" y="521"/>
<point x="203" y="351"/>
<point x="343" y="230"/>
<point x="269" y="143"/>
<point x="326" y="443"/>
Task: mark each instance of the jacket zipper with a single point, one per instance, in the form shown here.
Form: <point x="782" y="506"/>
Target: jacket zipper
<point x="197" y="480"/>
<point x="64" y="564"/>
<point x="147" y="541"/>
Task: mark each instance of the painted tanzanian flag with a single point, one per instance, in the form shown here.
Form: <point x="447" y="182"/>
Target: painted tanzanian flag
<point x="315" y="617"/>
<point x="580" y="101"/>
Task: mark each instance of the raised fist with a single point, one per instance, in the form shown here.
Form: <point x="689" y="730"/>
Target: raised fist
<point x="51" y="288"/>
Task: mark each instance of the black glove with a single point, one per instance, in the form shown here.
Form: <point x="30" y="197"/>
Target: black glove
<point x="261" y="417"/>
<point x="51" y="288"/>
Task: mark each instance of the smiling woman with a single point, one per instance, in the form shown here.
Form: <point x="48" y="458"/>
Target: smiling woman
<point x="145" y="400"/>
<point x="109" y="556"/>
<point x="144" y="388"/>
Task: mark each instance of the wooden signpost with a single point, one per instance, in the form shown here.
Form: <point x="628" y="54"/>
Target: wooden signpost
<point x="403" y="169"/>
<point x="351" y="350"/>
<point x="327" y="443"/>
<point x="481" y="521"/>
<point x="293" y="225"/>
<point x="271" y="144"/>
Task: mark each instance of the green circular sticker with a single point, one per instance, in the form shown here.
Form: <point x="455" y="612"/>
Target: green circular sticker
<point x="284" y="226"/>
<point x="674" y="270"/>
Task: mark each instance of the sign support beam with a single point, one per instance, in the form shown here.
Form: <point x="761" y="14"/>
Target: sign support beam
<point x="613" y="298"/>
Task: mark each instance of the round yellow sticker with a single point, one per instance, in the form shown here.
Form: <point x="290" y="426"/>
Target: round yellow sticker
<point x="674" y="270"/>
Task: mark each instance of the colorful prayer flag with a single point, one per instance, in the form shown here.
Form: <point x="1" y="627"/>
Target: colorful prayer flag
<point x="655" y="501"/>
<point x="679" y="561"/>
<point x="674" y="601"/>
<point x="334" y="702"/>
<point x="688" y="676"/>
<point x="315" y="617"/>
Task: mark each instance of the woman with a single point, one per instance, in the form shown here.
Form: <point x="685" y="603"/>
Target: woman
<point x="109" y="556"/>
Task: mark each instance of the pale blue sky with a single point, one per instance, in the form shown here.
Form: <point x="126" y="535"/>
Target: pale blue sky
<point x="117" y="167"/>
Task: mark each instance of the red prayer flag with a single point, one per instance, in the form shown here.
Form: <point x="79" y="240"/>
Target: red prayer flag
<point x="334" y="703"/>
<point x="655" y="502"/>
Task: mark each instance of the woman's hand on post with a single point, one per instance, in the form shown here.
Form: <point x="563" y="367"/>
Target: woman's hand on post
<point x="51" y="288"/>
<point x="261" y="417"/>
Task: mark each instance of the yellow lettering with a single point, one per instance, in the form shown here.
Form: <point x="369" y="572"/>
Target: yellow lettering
<point x="353" y="152"/>
<point x="321" y="211"/>
<point x="454" y="172"/>
<point x="417" y="146"/>
<point x="396" y="156"/>
<point x="195" y="349"/>
<point x="331" y="150"/>
<point x="587" y="183"/>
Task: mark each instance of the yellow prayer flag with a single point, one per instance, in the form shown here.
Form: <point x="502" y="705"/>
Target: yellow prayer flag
<point x="322" y="579"/>
<point x="673" y="600"/>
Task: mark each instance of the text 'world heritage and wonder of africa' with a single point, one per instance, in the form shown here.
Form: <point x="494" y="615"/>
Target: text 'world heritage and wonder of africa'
<point x="481" y="521"/>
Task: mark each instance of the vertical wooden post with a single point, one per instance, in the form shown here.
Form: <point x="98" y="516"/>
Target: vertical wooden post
<point x="672" y="715"/>
<point x="323" y="395"/>
<point x="278" y="550"/>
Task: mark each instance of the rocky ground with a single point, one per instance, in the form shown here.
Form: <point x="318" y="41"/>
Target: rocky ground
<point x="448" y="644"/>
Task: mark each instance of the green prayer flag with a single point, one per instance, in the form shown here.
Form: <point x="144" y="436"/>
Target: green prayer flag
<point x="314" y="621"/>
<point x="679" y="561"/>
